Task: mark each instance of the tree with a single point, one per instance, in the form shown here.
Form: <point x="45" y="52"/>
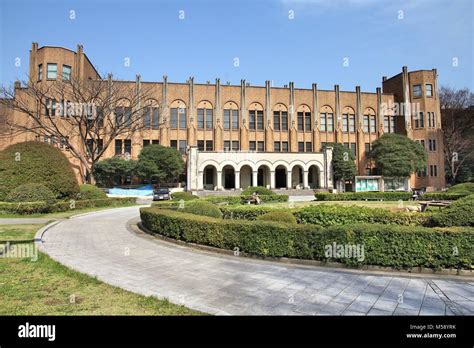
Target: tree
<point x="457" y="119"/>
<point x="84" y="116"/>
<point x="163" y="163"/>
<point x="397" y="156"/>
<point x="343" y="162"/>
<point x="112" y="171"/>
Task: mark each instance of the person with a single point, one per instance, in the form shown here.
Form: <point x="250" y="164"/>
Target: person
<point x="415" y="195"/>
<point x="256" y="198"/>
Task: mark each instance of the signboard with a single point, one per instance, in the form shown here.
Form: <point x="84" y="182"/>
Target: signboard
<point x="367" y="184"/>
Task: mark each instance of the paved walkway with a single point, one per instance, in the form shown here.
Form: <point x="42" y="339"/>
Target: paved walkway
<point x="99" y="244"/>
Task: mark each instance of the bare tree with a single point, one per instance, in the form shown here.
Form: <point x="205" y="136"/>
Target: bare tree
<point x="84" y="116"/>
<point x="457" y="117"/>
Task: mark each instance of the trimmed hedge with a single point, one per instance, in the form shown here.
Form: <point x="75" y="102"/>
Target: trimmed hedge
<point x="458" y="213"/>
<point x="278" y="216"/>
<point x="31" y="192"/>
<point x="37" y="162"/>
<point x="267" y="198"/>
<point x="442" y="196"/>
<point x="328" y="215"/>
<point x="185" y="196"/>
<point x="87" y="191"/>
<point x="245" y="212"/>
<point x="259" y="189"/>
<point x="202" y="208"/>
<point x="384" y="245"/>
<point x="222" y="200"/>
<point x="25" y="208"/>
<point x="362" y="196"/>
<point x="243" y="199"/>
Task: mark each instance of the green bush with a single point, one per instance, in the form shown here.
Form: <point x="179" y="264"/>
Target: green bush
<point x="267" y="198"/>
<point x="185" y="196"/>
<point x="278" y="216"/>
<point x="244" y="212"/>
<point x="362" y="196"/>
<point x="31" y="193"/>
<point x="87" y="191"/>
<point x="442" y="196"/>
<point x="259" y="189"/>
<point x="464" y="188"/>
<point x="203" y="208"/>
<point x="36" y="162"/>
<point x="327" y="215"/>
<point x="25" y="208"/>
<point x="223" y="200"/>
<point x="384" y="245"/>
<point x="243" y="199"/>
<point x="458" y="213"/>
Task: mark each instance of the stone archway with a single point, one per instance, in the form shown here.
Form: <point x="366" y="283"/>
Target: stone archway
<point x="297" y="176"/>
<point x="228" y="177"/>
<point x="280" y="176"/>
<point x="246" y="178"/>
<point x="263" y="176"/>
<point x="314" y="177"/>
<point x="209" y="177"/>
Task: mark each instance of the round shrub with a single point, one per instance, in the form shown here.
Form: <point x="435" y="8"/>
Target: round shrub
<point x="87" y="191"/>
<point x="458" y="213"/>
<point x="185" y="196"/>
<point x="259" y="189"/>
<point x="31" y="193"/>
<point x="36" y="162"/>
<point x="464" y="188"/>
<point x="202" y="208"/>
<point x="278" y="216"/>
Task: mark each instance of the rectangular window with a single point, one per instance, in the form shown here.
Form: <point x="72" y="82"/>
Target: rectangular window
<point x="353" y="149"/>
<point x="127" y="146"/>
<point x="432" y="144"/>
<point x="182" y="118"/>
<point x="276" y="120"/>
<point x="417" y="91"/>
<point x="300" y="146"/>
<point x="260" y="146"/>
<point x="209" y="145"/>
<point x="128" y="117"/>
<point x="420" y="120"/>
<point x="345" y="123"/>
<point x="235" y="146"/>
<point x="309" y="147"/>
<point x="367" y="148"/>
<point x="330" y="120"/>
<point x="118" y="147"/>
<point x="209" y="118"/>
<point x="433" y="170"/>
<point x="146" y="143"/>
<point x="182" y="146"/>
<point x="260" y="120"/>
<point x="174" y="118"/>
<point x="284" y="120"/>
<point x="392" y="124"/>
<point x="284" y="146"/>
<point x="429" y="90"/>
<point x="431" y="120"/>
<point x="146" y="117"/>
<point x="52" y="71"/>
<point x="227" y="145"/>
<point x="66" y="73"/>
<point x="276" y="146"/>
<point x="252" y="115"/>
<point x="40" y="72"/>
<point x="235" y="119"/>
<point x="200" y="118"/>
<point x="300" y="121"/>
<point x="227" y="119"/>
<point x="155" y="141"/>
<point x="252" y="146"/>
<point x="307" y="122"/>
<point x="366" y="123"/>
<point x="352" y="123"/>
<point x="386" y="124"/>
<point x="372" y="124"/>
<point x="174" y="144"/>
<point x="322" y="122"/>
<point x="200" y="145"/>
<point x="53" y="107"/>
<point x="155" y="117"/>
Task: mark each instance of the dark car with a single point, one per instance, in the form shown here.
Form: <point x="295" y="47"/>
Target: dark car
<point x="161" y="194"/>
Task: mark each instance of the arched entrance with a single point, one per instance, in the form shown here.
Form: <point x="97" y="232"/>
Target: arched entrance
<point x="263" y="177"/>
<point x="280" y="177"/>
<point x="246" y="177"/>
<point x="209" y="177"/>
<point x="313" y="177"/>
<point x="228" y="177"/>
<point x="297" y="176"/>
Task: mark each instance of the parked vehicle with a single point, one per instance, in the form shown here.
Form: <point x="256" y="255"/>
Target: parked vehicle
<point x="161" y="194"/>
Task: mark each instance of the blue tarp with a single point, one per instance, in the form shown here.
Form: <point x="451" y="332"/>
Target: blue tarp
<point x="146" y="190"/>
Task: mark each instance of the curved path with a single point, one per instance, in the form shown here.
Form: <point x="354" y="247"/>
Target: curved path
<point x="100" y="244"/>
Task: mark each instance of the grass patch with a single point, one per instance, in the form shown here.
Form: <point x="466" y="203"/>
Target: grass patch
<point x="45" y="287"/>
<point x="18" y="232"/>
<point x="391" y="205"/>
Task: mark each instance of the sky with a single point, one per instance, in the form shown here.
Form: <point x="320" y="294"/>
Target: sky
<point x="345" y="42"/>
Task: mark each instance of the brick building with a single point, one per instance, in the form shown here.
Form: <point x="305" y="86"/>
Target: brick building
<point x="234" y="120"/>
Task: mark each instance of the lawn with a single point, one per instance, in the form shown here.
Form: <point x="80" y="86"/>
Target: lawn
<point x="45" y="287"/>
<point x="392" y="205"/>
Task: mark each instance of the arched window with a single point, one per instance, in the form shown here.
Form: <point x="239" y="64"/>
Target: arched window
<point x="205" y="115"/>
<point x="326" y="119"/>
<point x="280" y="117"/>
<point x="304" y="118"/>
<point x="123" y="114"/>
<point x="151" y="114"/>
<point x="369" y="121"/>
<point x="256" y="116"/>
<point x="348" y="120"/>
<point x="178" y="115"/>
<point x="231" y="116"/>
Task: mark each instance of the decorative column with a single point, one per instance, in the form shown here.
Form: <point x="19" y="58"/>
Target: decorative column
<point x="268" y="116"/>
<point x="272" y="179"/>
<point x="200" y="181"/>
<point x="254" y="177"/>
<point x="219" y="180"/>
<point x="338" y="115"/>
<point x="293" y="126"/>
<point x="244" y="131"/>
<point x="288" y="178"/>
<point x="359" y="132"/>
<point x="237" y="179"/>
<point x="164" y="114"/>
<point x="315" y="123"/>
<point x="191" y="129"/>
<point x="305" y="179"/>
<point x="218" y="143"/>
<point x="406" y="102"/>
